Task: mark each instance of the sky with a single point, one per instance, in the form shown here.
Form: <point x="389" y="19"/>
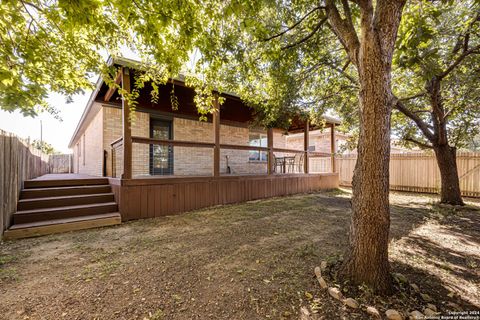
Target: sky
<point x="55" y="132"/>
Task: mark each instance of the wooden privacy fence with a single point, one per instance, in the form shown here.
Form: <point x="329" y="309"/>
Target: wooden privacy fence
<point x="418" y="172"/>
<point x="19" y="161"/>
<point x="60" y="163"/>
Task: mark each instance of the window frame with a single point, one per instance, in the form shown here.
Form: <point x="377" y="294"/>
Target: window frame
<point x="261" y="155"/>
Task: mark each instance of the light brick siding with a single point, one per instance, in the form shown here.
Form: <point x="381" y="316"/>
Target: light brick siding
<point x="88" y="153"/>
<point x="320" y="141"/>
<point x="112" y="130"/>
<point x="187" y="160"/>
<point x="141" y="152"/>
<point x="192" y="161"/>
<point x="199" y="161"/>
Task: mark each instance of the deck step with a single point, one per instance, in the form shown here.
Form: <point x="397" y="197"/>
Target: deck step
<point x="62" y="201"/>
<point x="29" y="184"/>
<point x="34" y="215"/>
<point x="63" y="191"/>
<point x="45" y="227"/>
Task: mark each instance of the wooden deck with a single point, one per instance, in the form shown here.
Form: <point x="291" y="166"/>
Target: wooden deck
<point x="64" y="176"/>
<point x="149" y="197"/>
<point x="65" y="202"/>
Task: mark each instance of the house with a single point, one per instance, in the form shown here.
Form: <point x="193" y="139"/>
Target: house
<point x="156" y="160"/>
<point x="165" y="161"/>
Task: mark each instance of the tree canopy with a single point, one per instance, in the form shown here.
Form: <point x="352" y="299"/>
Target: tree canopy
<point x="438" y="41"/>
<point x="52" y="47"/>
<point x="45" y="147"/>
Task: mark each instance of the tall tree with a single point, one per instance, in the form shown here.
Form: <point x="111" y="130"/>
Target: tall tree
<point x="295" y="43"/>
<point x="265" y="50"/>
<point x="436" y="64"/>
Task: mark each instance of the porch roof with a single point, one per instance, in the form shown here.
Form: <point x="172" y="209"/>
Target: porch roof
<point x="232" y="110"/>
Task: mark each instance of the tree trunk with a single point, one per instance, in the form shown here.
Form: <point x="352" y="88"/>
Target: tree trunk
<point x="447" y="163"/>
<point x="367" y="257"/>
<point x="371" y="51"/>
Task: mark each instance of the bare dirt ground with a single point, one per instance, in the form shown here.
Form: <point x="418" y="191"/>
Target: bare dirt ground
<point x="247" y="261"/>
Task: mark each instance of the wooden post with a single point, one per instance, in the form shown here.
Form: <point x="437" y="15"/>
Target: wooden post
<point x="306" y="144"/>
<point x="270" y="161"/>
<point x="332" y="146"/>
<point x="216" y="131"/>
<point x="126" y="128"/>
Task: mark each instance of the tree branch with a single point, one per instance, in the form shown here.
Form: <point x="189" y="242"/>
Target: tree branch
<point x="418" y="95"/>
<point x="343" y="72"/>
<point x="294" y="25"/>
<point x="343" y="30"/>
<point x="422" y="125"/>
<point x="474" y="50"/>
<point x="418" y="143"/>
<point x="308" y="36"/>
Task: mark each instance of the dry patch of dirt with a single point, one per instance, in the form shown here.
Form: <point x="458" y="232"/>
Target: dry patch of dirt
<point x="246" y="261"/>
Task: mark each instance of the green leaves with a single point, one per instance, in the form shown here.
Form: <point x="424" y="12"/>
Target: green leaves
<point x="49" y="48"/>
<point x="432" y="38"/>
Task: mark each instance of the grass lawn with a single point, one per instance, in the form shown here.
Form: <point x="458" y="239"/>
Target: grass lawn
<point x="246" y="261"/>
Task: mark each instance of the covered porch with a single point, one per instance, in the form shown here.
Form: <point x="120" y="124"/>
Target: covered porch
<point x="164" y="141"/>
<point x="175" y="163"/>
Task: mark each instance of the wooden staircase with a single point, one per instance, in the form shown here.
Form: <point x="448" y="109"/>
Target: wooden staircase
<point x="59" y="205"/>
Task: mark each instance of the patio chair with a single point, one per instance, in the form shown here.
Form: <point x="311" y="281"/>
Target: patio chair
<point x="299" y="161"/>
<point x="278" y="162"/>
<point x="290" y="164"/>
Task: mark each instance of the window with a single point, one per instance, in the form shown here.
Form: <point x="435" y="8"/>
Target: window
<point x="311" y="148"/>
<point x="257" y="140"/>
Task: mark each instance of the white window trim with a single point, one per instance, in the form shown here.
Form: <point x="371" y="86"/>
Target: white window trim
<point x="261" y="136"/>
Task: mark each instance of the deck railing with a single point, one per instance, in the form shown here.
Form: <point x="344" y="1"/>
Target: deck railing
<point x="152" y="157"/>
<point x="154" y="146"/>
<point x="116" y="154"/>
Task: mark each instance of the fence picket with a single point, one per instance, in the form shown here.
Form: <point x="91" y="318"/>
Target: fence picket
<point x="418" y="172"/>
<point x="19" y="161"/>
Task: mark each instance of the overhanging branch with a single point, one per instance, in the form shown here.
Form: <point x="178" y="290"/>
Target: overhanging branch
<point x="295" y="24"/>
<point x="459" y="60"/>
<point x="422" y="125"/>
<point x="418" y="143"/>
<point x="308" y="36"/>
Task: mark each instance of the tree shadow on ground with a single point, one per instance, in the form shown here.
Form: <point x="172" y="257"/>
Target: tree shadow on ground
<point x="441" y="252"/>
<point x="435" y="246"/>
<point x="245" y="261"/>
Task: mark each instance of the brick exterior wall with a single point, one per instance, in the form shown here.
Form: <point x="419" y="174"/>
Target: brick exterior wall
<point x="321" y="142"/>
<point x="112" y="130"/>
<point x="88" y="152"/>
<point x="199" y="161"/>
<point x="107" y="127"/>
<point x="187" y="161"/>
<point x="192" y="161"/>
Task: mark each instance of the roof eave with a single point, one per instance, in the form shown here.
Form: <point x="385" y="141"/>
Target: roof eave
<point x="98" y="85"/>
